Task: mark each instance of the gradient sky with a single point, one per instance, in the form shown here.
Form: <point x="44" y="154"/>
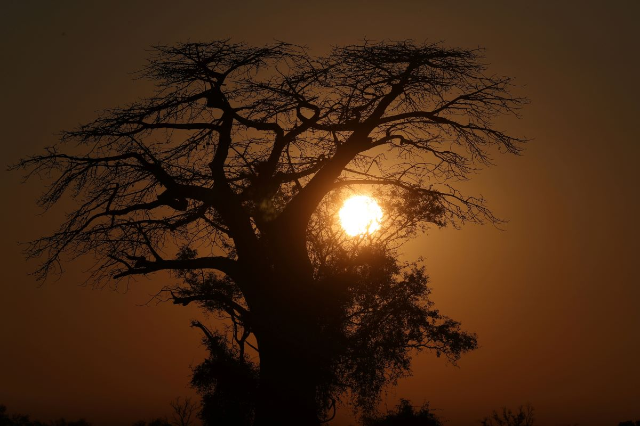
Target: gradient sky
<point x="554" y="298"/>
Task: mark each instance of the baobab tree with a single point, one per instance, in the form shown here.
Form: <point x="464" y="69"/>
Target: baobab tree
<point x="230" y="176"/>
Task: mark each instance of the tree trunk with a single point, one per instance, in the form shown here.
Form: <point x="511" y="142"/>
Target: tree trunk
<point x="288" y="335"/>
<point x="287" y="389"/>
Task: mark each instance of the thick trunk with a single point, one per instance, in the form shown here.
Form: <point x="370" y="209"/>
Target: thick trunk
<point x="287" y="329"/>
<point x="288" y="337"/>
<point x="287" y="390"/>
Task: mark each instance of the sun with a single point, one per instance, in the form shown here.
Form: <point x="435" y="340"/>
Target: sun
<point x="360" y="215"/>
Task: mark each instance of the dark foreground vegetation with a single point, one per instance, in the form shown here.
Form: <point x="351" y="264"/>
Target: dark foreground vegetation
<point x="405" y="414"/>
<point x="184" y="413"/>
<point x="23" y="420"/>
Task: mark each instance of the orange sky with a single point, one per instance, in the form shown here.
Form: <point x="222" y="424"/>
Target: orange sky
<point x="554" y="298"/>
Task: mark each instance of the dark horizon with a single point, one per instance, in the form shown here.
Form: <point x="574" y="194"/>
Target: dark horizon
<point x="553" y="297"/>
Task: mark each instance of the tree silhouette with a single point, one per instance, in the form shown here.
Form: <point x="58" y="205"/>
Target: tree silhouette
<point x="230" y="176"/>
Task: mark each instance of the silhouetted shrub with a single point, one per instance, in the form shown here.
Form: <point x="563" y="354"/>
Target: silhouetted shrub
<point x="155" y="422"/>
<point x="184" y="411"/>
<point x="522" y="417"/>
<point x="404" y="415"/>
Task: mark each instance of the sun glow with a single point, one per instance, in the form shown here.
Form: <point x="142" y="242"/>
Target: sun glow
<point x="360" y="215"/>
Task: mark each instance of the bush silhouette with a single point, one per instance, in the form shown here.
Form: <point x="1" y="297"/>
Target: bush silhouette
<point x="155" y="422"/>
<point x="405" y="415"/>
<point x="522" y="417"/>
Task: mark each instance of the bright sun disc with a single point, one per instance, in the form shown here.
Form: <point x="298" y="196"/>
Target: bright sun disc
<point x="360" y="215"/>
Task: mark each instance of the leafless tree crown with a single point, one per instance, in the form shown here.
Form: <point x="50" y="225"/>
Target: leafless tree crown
<point x="240" y="140"/>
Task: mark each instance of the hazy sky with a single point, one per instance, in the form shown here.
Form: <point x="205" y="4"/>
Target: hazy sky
<point x="554" y="298"/>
